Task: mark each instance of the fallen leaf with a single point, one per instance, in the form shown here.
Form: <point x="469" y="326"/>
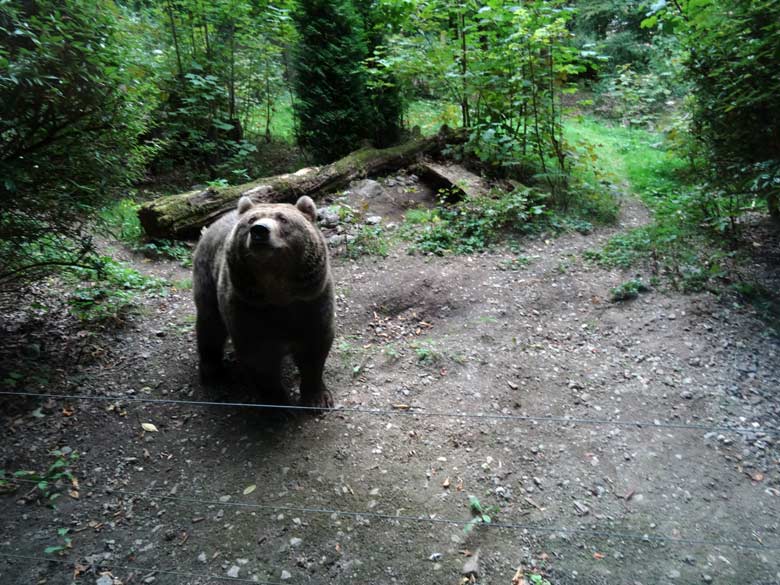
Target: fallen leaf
<point x="519" y="578"/>
<point x="68" y="411"/>
<point x="149" y="427"/>
<point x="73" y="494"/>
<point x="401" y="406"/>
<point x="249" y="489"/>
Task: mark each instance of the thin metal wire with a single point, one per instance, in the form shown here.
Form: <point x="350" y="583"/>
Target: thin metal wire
<point x="410" y="412"/>
<point x="143" y="569"/>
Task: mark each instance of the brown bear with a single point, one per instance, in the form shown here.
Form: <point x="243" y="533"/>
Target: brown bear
<point x="261" y="275"/>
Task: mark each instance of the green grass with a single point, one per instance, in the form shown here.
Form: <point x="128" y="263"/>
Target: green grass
<point x="626" y="154"/>
<point x="282" y="121"/>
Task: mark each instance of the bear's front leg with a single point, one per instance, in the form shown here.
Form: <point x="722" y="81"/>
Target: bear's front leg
<point x="311" y="365"/>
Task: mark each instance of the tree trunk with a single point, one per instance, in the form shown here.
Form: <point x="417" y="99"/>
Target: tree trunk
<point x="183" y="215"/>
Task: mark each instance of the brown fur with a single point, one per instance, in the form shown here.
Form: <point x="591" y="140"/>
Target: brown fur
<point x="272" y="294"/>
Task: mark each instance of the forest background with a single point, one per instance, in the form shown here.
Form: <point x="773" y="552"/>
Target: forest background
<point x="107" y="103"/>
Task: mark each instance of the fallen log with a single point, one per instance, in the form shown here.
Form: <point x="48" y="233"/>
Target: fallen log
<point x="454" y="177"/>
<point x="183" y="215"/>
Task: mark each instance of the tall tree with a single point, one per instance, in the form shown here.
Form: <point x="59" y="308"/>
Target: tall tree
<point x="333" y="109"/>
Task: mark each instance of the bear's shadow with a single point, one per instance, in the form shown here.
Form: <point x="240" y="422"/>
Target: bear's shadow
<point x="234" y="387"/>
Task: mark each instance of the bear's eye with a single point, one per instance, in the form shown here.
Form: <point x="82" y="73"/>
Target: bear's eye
<point x="281" y="218"/>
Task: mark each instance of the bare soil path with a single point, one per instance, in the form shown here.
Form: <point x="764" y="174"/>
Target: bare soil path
<point x="577" y="501"/>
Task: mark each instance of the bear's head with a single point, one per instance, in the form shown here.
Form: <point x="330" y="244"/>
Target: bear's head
<point x="278" y="250"/>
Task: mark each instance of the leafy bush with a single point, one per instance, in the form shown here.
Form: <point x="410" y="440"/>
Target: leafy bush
<point x="733" y="49"/>
<point x="628" y="290"/>
<point x="370" y="241"/>
<point x="76" y="99"/>
<point x="473" y="224"/>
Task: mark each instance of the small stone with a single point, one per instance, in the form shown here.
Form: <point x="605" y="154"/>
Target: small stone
<point x="233" y="571"/>
<point x="202" y="557"/>
<point x="104" y="580"/>
<point x="706" y="578"/>
<point x="367" y="188"/>
<point x="435" y="557"/>
<point x="581" y="508"/>
<point x="373" y="220"/>
<point x="285" y="576"/>
<point x="295" y="541"/>
<point x="686" y="394"/>
<point x="329" y="216"/>
<point x="673" y="574"/>
<point x="471" y="566"/>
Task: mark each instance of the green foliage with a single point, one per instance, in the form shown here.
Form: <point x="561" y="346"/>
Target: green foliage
<point x="733" y="50"/>
<point x="473" y="224"/>
<point x="66" y="543"/>
<point x="110" y="292"/>
<point x="628" y="290"/>
<point x="481" y="514"/>
<point x="76" y="98"/>
<point x="369" y="241"/>
<point x="505" y="65"/>
<point x="48" y="483"/>
<point x="120" y="221"/>
<point x="333" y="104"/>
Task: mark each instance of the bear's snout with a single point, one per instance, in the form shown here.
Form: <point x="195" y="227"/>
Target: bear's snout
<point x="260" y="232"/>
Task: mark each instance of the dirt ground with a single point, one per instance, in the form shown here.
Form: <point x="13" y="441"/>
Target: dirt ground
<point x="431" y="342"/>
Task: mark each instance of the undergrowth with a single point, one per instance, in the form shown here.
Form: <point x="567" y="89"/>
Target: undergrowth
<point x="110" y="292"/>
<point x="473" y="224"/>
<point x="121" y="222"/>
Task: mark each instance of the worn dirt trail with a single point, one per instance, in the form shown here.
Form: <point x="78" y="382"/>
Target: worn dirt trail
<point x="420" y="337"/>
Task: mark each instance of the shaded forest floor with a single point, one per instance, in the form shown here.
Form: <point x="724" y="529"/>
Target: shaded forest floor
<point x="222" y="493"/>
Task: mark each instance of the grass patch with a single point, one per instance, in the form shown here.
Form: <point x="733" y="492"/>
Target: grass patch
<point x="620" y="155"/>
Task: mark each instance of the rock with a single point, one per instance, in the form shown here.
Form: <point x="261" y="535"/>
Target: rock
<point x="367" y="189"/>
<point x="581" y="508"/>
<point x="373" y="220"/>
<point x="202" y="557"/>
<point x="329" y="216"/>
<point x="706" y="578"/>
<point x="336" y="240"/>
<point x="471" y="566"/>
<point x="435" y="557"/>
<point x="104" y="580"/>
<point x="673" y="574"/>
<point x="233" y="571"/>
<point x="285" y="576"/>
<point x="295" y="542"/>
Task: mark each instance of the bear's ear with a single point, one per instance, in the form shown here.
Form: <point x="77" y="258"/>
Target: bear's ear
<point x="244" y="204"/>
<point x="306" y="206"/>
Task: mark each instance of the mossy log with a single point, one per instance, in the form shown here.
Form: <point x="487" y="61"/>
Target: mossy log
<point x="182" y="216"/>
